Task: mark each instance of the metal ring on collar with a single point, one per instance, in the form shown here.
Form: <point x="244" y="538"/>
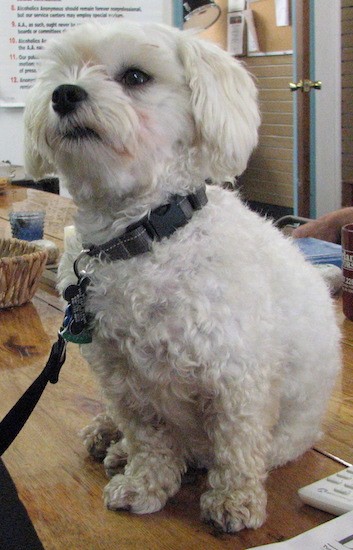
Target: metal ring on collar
<point x="79" y="273"/>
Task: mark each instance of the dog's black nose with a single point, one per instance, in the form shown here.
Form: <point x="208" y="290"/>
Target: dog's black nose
<point x="66" y="98"/>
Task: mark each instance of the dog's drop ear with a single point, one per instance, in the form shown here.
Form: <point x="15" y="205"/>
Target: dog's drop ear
<point x="35" y="164"/>
<point x="224" y="104"/>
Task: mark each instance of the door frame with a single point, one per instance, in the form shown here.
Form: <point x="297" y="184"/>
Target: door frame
<point x="317" y="114"/>
<point x="301" y="110"/>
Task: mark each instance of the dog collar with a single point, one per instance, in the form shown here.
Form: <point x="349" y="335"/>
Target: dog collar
<point x="159" y="223"/>
<point x="137" y="239"/>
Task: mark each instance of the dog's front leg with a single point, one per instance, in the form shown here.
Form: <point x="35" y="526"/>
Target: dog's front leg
<point x="240" y="439"/>
<point x="152" y="475"/>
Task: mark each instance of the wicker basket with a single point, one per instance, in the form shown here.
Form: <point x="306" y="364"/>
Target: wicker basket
<point x="21" y="266"/>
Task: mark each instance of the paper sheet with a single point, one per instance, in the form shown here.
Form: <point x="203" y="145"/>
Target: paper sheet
<point x="236" y="33"/>
<point x="336" y="534"/>
<point x="282" y="13"/>
<point x="253" y="43"/>
<point x="236" y="5"/>
<point x="26" y="26"/>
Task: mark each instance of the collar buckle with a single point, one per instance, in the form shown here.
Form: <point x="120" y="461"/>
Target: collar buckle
<point x="165" y="219"/>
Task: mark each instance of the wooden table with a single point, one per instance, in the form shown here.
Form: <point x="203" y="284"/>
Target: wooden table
<point x="61" y="486"/>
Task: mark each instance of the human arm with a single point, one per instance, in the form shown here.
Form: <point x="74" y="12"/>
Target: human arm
<point x="327" y="227"/>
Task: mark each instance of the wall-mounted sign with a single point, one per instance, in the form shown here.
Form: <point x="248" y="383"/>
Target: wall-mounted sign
<point x="26" y="25"/>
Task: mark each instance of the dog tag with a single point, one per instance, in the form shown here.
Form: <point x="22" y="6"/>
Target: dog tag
<point x="75" y="325"/>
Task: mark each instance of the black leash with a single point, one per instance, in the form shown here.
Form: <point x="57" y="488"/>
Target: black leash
<point x="74" y="329"/>
<point x="15" y="419"/>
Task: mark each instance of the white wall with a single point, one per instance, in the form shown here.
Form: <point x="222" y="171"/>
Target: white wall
<point x="327" y="106"/>
<point x="11" y="135"/>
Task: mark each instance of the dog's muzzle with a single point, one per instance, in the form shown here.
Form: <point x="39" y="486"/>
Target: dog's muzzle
<point x="65" y="101"/>
<point x="67" y="97"/>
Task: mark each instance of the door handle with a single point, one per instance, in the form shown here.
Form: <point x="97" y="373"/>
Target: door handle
<point x="305" y="85"/>
<point x="295" y="86"/>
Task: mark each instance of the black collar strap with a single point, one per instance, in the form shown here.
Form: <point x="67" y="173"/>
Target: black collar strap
<point x="160" y="223"/>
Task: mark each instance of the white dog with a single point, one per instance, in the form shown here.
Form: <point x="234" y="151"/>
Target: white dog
<point x="214" y="341"/>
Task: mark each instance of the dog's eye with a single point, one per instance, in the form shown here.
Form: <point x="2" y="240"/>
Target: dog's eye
<point x="135" y="77"/>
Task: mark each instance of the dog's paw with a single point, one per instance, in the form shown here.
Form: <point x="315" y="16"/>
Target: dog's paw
<point x="133" y="494"/>
<point x="98" y="436"/>
<point x="115" y="459"/>
<point x="232" y="511"/>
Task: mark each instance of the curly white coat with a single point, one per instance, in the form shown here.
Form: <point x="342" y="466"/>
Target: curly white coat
<point x="218" y="348"/>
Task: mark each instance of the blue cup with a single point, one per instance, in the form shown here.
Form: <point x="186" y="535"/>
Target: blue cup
<point x="28" y="226"/>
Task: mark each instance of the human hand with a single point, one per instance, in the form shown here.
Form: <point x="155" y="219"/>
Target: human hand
<point x="327" y="227"/>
